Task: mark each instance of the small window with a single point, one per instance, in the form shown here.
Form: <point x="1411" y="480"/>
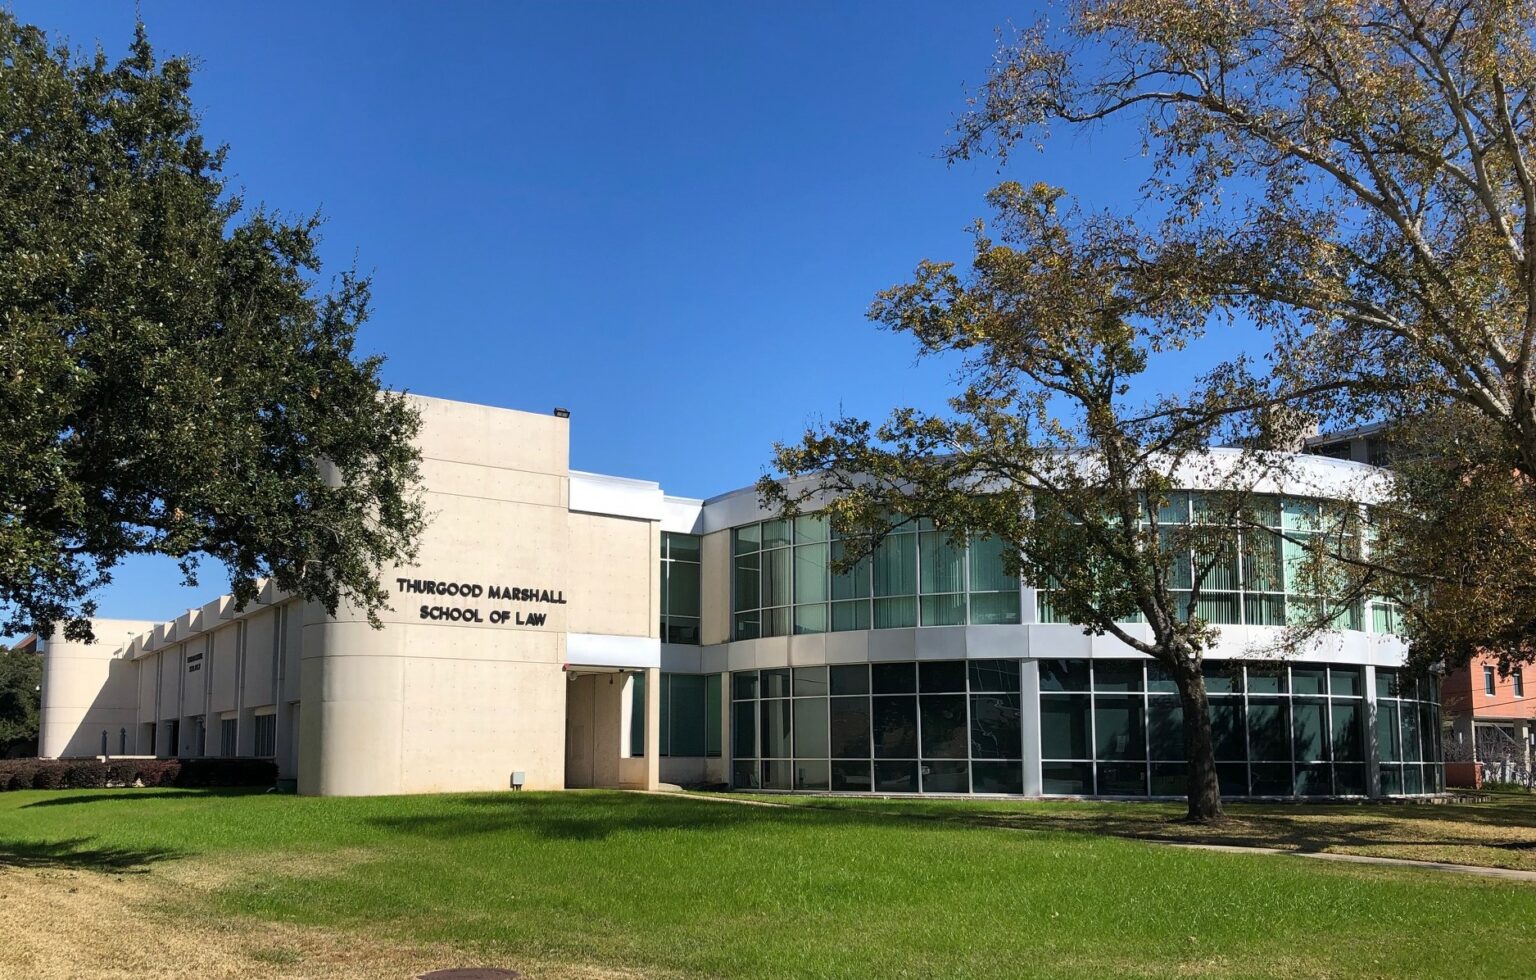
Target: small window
<point x="264" y="728"/>
<point x="1488" y="681"/>
<point x="1519" y="680"/>
<point x="228" y="745"/>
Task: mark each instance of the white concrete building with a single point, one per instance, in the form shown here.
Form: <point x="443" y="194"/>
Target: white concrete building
<point x="563" y="629"/>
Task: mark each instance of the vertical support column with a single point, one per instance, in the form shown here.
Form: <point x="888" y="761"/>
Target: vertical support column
<point x="1372" y="750"/>
<point x="1029" y="710"/>
<point x="653" y="728"/>
<point x="727" y="759"/>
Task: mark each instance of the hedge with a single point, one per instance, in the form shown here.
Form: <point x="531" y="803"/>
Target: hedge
<point x="95" y="774"/>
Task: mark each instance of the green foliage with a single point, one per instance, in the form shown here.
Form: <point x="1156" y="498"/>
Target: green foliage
<point x="20" y="676"/>
<point x="174" y="382"/>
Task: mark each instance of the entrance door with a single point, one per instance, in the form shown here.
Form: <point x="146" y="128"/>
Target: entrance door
<point x="580" y="745"/>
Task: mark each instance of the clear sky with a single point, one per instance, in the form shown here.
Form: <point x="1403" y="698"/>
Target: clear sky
<point x="667" y="217"/>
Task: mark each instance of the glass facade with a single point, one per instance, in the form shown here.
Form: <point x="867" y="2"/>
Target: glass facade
<point x="948" y="726"/>
<point x="1115" y="728"/>
<point x="690" y="715"/>
<point x="1259" y="580"/>
<point x="782" y="581"/>
<point x="1107" y="728"/>
<point x="680" y="577"/>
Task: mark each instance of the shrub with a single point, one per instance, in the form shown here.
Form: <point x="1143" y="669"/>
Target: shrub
<point x="94" y="774"/>
<point x="85" y="774"/>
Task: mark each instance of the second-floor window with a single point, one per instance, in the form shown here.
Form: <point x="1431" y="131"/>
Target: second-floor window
<point x="1488" y="681"/>
<point x="1519" y="680"/>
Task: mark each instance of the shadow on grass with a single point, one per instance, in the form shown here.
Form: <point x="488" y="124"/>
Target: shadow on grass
<point x="1508" y="825"/>
<point x="593" y="817"/>
<point x="115" y="795"/>
<point x="78" y="854"/>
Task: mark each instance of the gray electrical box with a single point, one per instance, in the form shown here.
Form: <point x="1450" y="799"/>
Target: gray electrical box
<point x="517" y="780"/>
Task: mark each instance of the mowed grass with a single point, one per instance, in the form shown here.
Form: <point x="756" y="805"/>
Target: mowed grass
<point x="1498" y="833"/>
<point x="681" y="885"/>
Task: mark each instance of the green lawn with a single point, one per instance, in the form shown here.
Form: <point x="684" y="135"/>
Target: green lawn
<point x="703" y="888"/>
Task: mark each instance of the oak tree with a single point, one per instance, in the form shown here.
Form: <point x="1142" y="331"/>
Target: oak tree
<point x="174" y="380"/>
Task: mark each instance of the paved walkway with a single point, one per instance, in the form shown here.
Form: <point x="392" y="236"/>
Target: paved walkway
<point x="1509" y="874"/>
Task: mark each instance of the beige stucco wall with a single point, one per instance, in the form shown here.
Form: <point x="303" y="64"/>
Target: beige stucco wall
<point x="608" y="591"/>
<point x="88" y="688"/>
<point x="715" y="588"/>
<point x="427" y="705"/>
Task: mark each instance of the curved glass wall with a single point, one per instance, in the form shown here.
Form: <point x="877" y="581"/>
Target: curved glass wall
<point x="947" y="726"/>
<point x="1107" y="728"/>
<point x="1115" y="728"/>
<point x="782" y="584"/>
<point x="782" y="581"/>
<point x="1259" y="582"/>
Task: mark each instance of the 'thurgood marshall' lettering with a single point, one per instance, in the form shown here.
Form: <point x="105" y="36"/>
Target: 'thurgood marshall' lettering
<point x="474" y="590"/>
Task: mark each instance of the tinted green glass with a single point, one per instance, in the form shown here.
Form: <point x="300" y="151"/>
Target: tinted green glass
<point x="895" y="727"/>
<point x="896" y="777"/>
<point x="685" y="731"/>
<point x="895" y="566"/>
<point x="1117" y="675"/>
<point x="1309" y="725"/>
<point x="810" y="527"/>
<point x="941" y="676"/>
<point x="1228" y="729"/>
<point x="1348" y="745"/>
<point x="680" y="547"/>
<point x="810" y="774"/>
<point x="744" y="730"/>
<point x="811" y="618"/>
<point x="747" y="590"/>
<point x="943" y="610"/>
<point x="851" y="615"/>
<point x="993" y="675"/>
<point x="1064" y="726"/>
<point x="810" y="682"/>
<point x="942" y="568"/>
<point x="1268" y="730"/>
<point x="775" y="577"/>
<point x="1309" y="680"/>
<point x="776" y="533"/>
<point x="743" y="685"/>
<point x="1345" y="681"/>
<point x="849" y="728"/>
<point x="1064" y="675"/>
<point x="994" y="608"/>
<point x="893" y="678"/>
<point x="811" y="581"/>
<point x="995" y="726"/>
<point x="987" y="571"/>
<point x="775" y="729"/>
<point x="944" y="731"/>
<point x="745" y="540"/>
<point x="851" y="777"/>
<point x="811" y="728"/>
<point x="946" y="777"/>
<point x="895" y="613"/>
<point x="849" y="679"/>
<point x="1165" y="728"/>
<point x="681" y="585"/>
<point x="1066" y="778"/>
<point x="853" y="583"/>
<point x="1119" y="728"/>
<point x="776" y="683"/>
<point x="997" y="777"/>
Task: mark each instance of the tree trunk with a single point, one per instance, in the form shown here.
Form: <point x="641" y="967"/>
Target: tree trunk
<point x="1199" y="747"/>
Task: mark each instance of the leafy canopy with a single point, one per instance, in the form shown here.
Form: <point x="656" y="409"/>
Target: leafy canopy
<point x="173" y="380"/>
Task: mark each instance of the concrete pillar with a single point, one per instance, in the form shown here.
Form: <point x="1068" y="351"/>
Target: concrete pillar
<point x="1372" y="750"/>
<point x="652" y="728"/>
<point x="1029" y="704"/>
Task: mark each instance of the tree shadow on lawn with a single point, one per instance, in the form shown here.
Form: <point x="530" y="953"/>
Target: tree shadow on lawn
<point x="77" y="854"/>
<point x="115" y="796"/>
<point x="587" y="817"/>
<point x="1298" y="827"/>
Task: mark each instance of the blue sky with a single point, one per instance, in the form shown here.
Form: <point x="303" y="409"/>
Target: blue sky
<point x="667" y="217"/>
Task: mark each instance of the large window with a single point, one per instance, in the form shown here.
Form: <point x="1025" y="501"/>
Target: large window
<point x="1408" y="733"/>
<point x="679" y="588"/>
<point x="949" y="726"/>
<point x="1115" y="728"/>
<point x="783" y="583"/>
<point x="690" y="715"/>
<point x="228" y="731"/>
<point x="1258" y="579"/>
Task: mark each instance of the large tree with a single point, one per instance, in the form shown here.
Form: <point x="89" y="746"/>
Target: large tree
<point x="21" y="674"/>
<point x="174" y="379"/>
<point x="1048" y="451"/>
<point x="1358" y="176"/>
